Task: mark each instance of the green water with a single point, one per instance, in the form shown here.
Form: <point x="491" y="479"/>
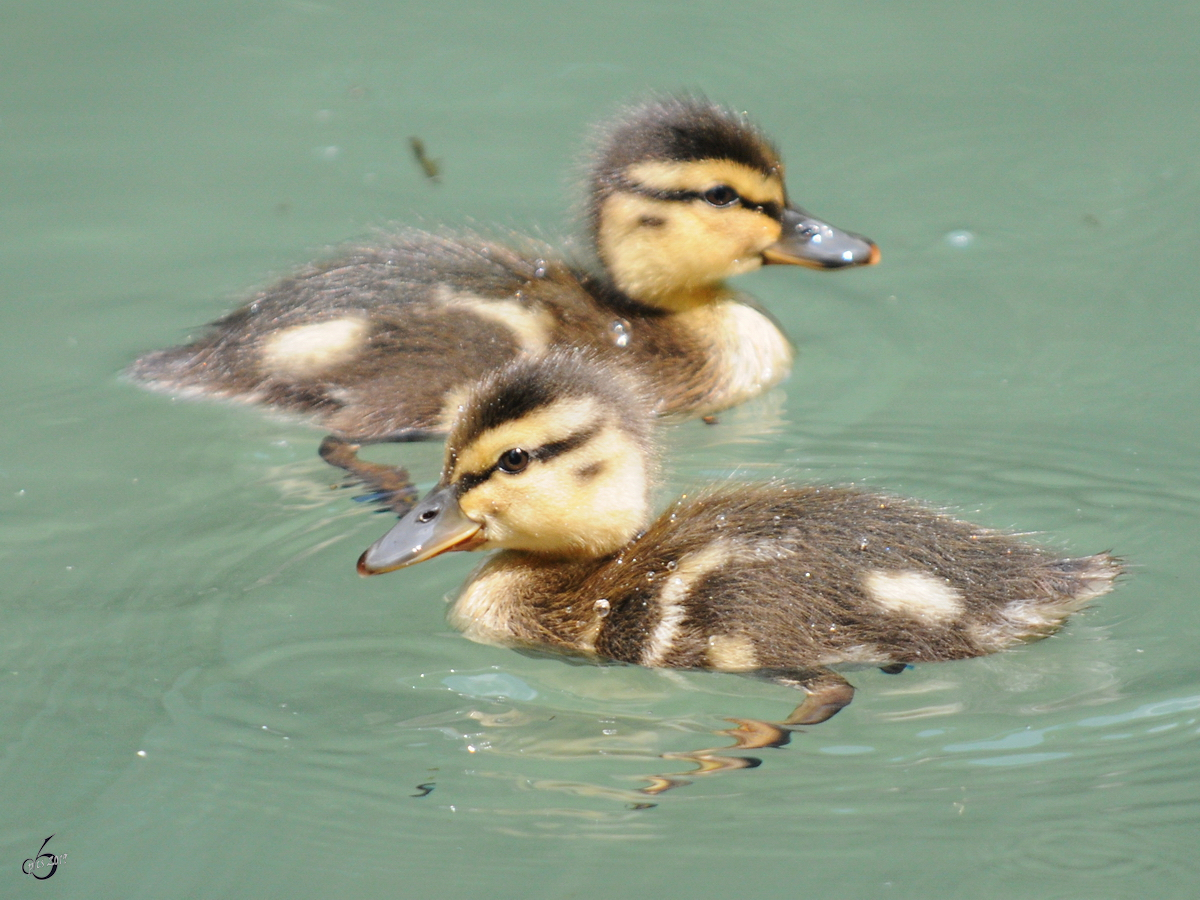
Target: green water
<point x="201" y="699"/>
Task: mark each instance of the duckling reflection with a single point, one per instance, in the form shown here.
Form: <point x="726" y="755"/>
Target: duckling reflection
<point x="573" y="738"/>
<point x="381" y="343"/>
<point x="550" y="462"/>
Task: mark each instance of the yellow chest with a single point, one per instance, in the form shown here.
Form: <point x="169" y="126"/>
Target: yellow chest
<point x="510" y="605"/>
<point x="748" y="353"/>
<point x="484" y="610"/>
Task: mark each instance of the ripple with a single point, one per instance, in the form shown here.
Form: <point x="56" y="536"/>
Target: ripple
<point x="1019" y="759"/>
<point x="1118" y="846"/>
<point x="490" y="684"/>
<point x="1146" y="711"/>
<point x="846" y="750"/>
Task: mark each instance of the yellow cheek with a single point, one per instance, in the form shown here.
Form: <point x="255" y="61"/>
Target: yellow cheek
<point x="693" y="246"/>
<point x="552" y="508"/>
<point x="713" y="244"/>
<point x="743" y="235"/>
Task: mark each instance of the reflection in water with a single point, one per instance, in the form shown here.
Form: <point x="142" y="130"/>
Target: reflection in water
<point x="750" y="734"/>
<point x="337" y="723"/>
<point x="515" y="733"/>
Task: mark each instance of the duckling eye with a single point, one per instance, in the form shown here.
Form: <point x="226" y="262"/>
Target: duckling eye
<point x="514" y="460"/>
<point x="721" y="195"/>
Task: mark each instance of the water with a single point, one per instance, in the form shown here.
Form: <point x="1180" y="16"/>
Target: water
<point x="201" y="699"/>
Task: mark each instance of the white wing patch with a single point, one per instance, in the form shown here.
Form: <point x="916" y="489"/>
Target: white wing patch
<point x="308" y="350"/>
<point x="531" y="328"/>
<point x="731" y="653"/>
<point x="915" y="594"/>
<point x="672" y="612"/>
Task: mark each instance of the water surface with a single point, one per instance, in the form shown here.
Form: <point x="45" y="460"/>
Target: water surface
<point x="200" y="697"/>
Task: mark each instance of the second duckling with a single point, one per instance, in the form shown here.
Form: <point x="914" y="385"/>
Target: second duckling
<point x="380" y="343"/>
<point x="550" y="461"/>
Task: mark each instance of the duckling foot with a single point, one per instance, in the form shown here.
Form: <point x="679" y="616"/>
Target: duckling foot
<point x="399" y="436"/>
<point x="390" y="486"/>
<point x="827" y="693"/>
<point x="820" y="705"/>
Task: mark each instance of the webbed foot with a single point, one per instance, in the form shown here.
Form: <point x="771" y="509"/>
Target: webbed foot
<point x="827" y="692"/>
<point x="390" y="486"/>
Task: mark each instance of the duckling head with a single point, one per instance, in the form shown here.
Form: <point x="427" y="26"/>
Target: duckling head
<point x="550" y="456"/>
<point x="685" y="194"/>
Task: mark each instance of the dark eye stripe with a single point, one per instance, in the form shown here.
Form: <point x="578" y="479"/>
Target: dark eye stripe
<point x="566" y="445"/>
<point x="472" y="480"/>
<point x="769" y="208"/>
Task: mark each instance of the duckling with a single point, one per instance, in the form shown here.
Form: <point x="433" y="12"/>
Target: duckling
<point x="380" y="343"/>
<point x="551" y="462"/>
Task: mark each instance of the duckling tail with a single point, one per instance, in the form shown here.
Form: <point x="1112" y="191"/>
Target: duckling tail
<point x="195" y="369"/>
<point x="1092" y="576"/>
<point x="160" y="369"/>
<point x="1067" y="586"/>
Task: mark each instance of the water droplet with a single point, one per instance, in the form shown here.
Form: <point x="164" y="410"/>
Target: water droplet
<point x="602" y="606"/>
<point x="672" y="565"/>
<point x="539" y="268"/>
<point x="862" y="543"/>
<point x="721" y="520"/>
<point x="650" y="576"/>
<point x="620" y="331"/>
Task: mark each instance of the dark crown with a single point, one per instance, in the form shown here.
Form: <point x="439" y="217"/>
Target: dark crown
<point x="527" y="385"/>
<point x="675" y="129"/>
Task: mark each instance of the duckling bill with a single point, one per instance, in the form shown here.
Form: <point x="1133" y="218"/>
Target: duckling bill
<point x="550" y="462"/>
<point x="380" y="342"/>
